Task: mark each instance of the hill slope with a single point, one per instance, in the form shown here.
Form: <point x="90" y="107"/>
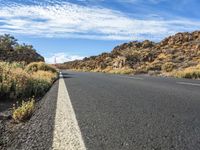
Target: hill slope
<point x="11" y="51"/>
<point x="176" y="52"/>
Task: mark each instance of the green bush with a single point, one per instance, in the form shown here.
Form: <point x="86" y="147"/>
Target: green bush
<point x="37" y="87"/>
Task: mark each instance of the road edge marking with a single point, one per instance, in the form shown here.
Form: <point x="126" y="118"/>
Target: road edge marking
<point x="67" y="134"/>
<point x="188" y="83"/>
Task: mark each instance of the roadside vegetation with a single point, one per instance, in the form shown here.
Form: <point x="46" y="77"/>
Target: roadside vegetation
<point x="177" y="55"/>
<point x="120" y="71"/>
<point x="23" y="75"/>
<point x="24" y="111"/>
<point x="190" y="73"/>
<point x="11" y="50"/>
<point x="20" y="82"/>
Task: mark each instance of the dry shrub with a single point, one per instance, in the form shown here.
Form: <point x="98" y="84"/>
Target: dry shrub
<point x="36" y="66"/>
<point x="142" y="69"/>
<point x="13" y="80"/>
<point x="162" y="56"/>
<point x="17" y="82"/>
<point x="40" y="82"/>
<point x="44" y="75"/>
<point x="190" y="72"/>
<point x="155" y="66"/>
<point x="122" y="71"/>
<point x="24" y="111"/>
<point x="168" y="67"/>
<point x="107" y="69"/>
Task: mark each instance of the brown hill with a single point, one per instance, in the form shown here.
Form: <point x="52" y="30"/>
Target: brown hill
<point x="176" y="52"/>
<point x="11" y="51"/>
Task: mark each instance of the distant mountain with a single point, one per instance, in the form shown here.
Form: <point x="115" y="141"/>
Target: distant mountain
<point x="175" y="52"/>
<point x="11" y="51"/>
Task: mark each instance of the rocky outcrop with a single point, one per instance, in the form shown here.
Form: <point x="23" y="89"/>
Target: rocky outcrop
<point x="180" y="50"/>
<point x="119" y="62"/>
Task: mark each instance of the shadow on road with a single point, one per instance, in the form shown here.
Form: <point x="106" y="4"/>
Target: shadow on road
<point x="65" y="77"/>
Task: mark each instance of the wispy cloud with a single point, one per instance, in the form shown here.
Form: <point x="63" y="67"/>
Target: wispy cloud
<point x="61" y="58"/>
<point x="64" y="19"/>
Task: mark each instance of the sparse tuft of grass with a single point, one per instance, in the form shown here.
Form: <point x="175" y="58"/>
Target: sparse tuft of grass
<point x="24" y="111"/>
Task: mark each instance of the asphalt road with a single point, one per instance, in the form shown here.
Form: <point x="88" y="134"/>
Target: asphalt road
<point x="116" y="112"/>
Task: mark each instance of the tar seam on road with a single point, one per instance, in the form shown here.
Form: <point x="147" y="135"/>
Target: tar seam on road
<point x="67" y="134"/>
<point x="188" y="83"/>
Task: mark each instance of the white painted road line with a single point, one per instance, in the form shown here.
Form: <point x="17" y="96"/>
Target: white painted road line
<point x="60" y="75"/>
<point x="129" y="77"/>
<point x="67" y="134"/>
<point x="188" y="83"/>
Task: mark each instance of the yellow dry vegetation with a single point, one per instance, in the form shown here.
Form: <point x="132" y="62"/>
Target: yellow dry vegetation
<point x="168" y="66"/>
<point x="190" y="72"/>
<point x="24" y="111"/>
<point x="40" y="66"/>
<point x="162" y="56"/>
<point x="122" y="71"/>
<point x="16" y="81"/>
<point x="44" y="75"/>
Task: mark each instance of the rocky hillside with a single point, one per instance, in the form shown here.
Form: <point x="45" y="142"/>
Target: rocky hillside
<point x="176" y="52"/>
<point x="11" y="51"/>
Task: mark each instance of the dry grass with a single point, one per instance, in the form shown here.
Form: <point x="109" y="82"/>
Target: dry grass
<point x="44" y="75"/>
<point x="162" y="56"/>
<point x="122" y="71"/>
<point x="18" y="82"/>
<point x="168" y="67"/>
<point x="13" y="79"/>
<point x="40" y="82"/>
<point x="36" y="66"/>
<point x="23" y="111"/>
<point x="107" y="69"/>
<point x="190" y="72"/>
<point x="154" y="66"/>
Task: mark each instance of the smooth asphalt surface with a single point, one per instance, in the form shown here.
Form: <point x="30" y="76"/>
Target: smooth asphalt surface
<point x="118" y="112"/>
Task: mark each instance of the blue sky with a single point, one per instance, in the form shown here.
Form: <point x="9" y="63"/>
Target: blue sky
<point x="73" y="29"/>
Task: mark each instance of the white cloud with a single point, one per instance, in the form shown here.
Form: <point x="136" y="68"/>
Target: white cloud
<point x="64" y="19"/>
<point x="61" y="58"/>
